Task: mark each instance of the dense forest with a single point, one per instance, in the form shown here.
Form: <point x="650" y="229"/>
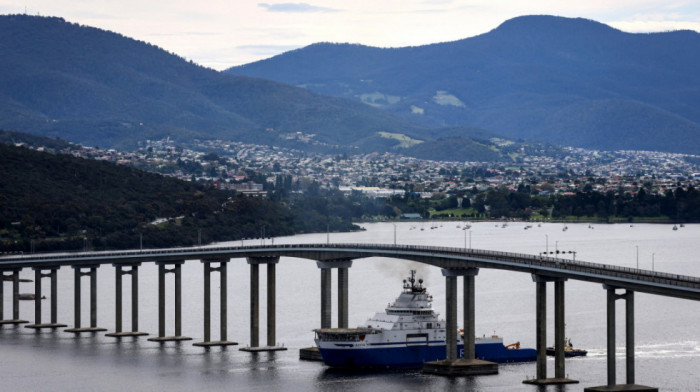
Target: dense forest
<point x="35" y="141"/>
<point x="55" y="202"/>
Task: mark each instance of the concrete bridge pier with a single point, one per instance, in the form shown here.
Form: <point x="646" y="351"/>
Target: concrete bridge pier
<point x="453" y="365"/>
<point x="343" y="266"/>
<point x="119" y="272"/>
<point x="52" y="274"/>
<point x="630" y="385"/>
<point x="343" y="281"/>
<point x="271" y="263"/>
<point x="271" y="307"/>
<point x="92" y="273"/>
<point x="14" y="273"/>
<point x="469" y="311"/>
<point x="326" y="304"/>
<point x="223" y="305"/>
<point x="177" y="271"/>
<point x="541" y="332"/>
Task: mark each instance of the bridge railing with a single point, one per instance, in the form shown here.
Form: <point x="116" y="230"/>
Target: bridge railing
<point x="544" y="261"/>
<point x="517" y="258"/>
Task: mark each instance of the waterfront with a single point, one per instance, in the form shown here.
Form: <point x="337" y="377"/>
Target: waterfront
<point x="668" y="341"/>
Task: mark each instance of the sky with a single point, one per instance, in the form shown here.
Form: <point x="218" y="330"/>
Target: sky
<point x="223" y="33"/>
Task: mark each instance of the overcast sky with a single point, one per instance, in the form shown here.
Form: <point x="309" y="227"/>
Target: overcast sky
<point x="224" y="33"/>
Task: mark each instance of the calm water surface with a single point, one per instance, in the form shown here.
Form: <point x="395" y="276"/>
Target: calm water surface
<point x="667" y="329"/>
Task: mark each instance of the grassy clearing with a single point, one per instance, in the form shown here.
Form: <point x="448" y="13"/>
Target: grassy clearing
<point x="404" y="141"/>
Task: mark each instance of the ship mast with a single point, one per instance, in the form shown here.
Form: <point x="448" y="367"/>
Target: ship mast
<point x="410" y="286"/>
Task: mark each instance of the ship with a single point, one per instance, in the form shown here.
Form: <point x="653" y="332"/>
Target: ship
<point x="406" y="335"/>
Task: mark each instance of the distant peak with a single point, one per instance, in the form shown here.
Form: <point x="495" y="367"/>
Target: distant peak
<point x="549" y="24"/>
<point x="336" y="46"/>
<point x="27" y="17"/>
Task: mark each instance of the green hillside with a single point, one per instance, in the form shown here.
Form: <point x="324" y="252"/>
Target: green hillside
<point x="57" y="201"/>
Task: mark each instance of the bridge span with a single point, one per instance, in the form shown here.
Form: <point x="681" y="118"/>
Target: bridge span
<point x="454" y="262"/>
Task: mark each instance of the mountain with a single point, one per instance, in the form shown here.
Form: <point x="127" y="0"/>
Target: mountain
<point x="568" y="81"/>
<point x="96" y="87"/>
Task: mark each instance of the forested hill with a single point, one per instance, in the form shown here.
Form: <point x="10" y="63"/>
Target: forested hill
<point x="568" y="81"/>
<point x="34" y="141"/>
<point x="96" y="87"/>
<point x="57" y="200"/>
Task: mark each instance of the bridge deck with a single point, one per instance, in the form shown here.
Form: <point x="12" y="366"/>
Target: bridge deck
<point x="653" y="282"/>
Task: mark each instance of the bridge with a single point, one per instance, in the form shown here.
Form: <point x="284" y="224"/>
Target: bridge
<point x="454" y="263"/>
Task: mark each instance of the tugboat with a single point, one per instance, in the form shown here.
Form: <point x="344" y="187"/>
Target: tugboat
<point x="407" y="334"/>
<point x="29" y="297"/>
<point x="569" y="350"/>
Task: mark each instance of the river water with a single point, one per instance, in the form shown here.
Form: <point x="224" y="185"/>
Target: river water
<point x="667" y="329"/>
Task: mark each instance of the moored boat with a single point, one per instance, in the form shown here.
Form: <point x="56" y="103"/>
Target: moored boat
<point x="407" y="334"/>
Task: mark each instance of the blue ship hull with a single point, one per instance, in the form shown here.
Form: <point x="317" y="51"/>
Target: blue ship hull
<point x="495" y="352"/>
<point x="413" y="356"/>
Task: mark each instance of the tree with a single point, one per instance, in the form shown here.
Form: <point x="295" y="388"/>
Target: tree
<point x="211" y="157"/>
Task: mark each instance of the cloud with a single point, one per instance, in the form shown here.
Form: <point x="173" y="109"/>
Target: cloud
<point x="295" y="7"/>
<point x="267" y="50"/>
<point x="184" y="34"/>
<point x="653" y="26"/>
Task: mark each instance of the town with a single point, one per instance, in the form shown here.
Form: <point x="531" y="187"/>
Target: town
<point x="253" y="169"/>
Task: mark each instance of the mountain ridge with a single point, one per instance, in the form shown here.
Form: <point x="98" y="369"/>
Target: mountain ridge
<point x="519" y="80"/>
<point x="92" y="86"/>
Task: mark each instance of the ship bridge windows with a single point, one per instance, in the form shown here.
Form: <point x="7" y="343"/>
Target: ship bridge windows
<point x="337" y="337"/>
<point x="422" y="312"/>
